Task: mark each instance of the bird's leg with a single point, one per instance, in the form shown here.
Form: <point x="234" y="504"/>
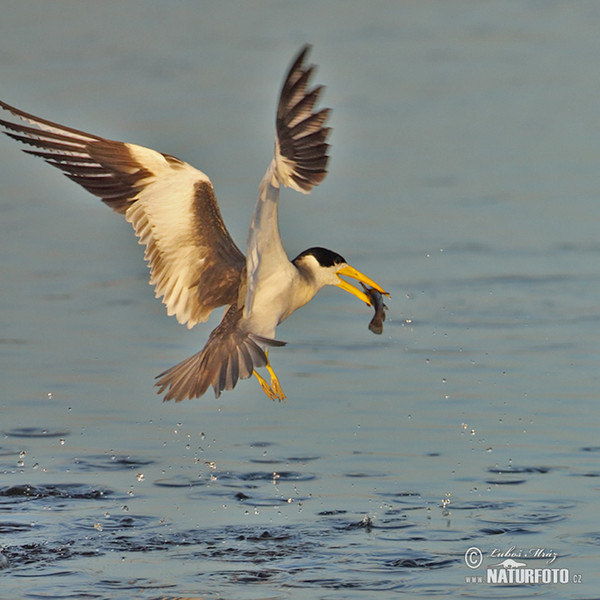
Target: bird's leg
<point x="266" y="388"/>
<point x="275" y="385"/>
<point x="274" y="390"/>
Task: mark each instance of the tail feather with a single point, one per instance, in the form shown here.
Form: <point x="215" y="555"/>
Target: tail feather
<point x="229" y="355"/>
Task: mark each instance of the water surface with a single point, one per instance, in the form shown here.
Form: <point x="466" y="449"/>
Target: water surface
<point x="464" y="178"/>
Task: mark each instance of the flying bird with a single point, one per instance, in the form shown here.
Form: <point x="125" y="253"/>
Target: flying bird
<point x="195" y="266"/>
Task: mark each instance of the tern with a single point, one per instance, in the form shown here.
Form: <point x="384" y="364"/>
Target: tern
<point x="195" y="266"/>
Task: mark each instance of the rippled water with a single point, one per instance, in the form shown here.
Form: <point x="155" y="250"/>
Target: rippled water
<point x="464" y="178"/>
<point x="282" y="523"/>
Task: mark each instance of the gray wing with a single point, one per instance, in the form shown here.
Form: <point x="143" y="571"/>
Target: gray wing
<point x="194" y="264"/>
<point x="299" y="162"/>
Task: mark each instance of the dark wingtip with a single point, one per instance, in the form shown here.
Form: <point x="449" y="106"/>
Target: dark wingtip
<point x="301" y="130"/>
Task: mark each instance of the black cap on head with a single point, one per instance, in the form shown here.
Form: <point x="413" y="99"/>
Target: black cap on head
<point x="326" y="258"/>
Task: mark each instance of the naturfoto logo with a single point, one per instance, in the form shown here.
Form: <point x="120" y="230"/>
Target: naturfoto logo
<point x="514" y="569"/>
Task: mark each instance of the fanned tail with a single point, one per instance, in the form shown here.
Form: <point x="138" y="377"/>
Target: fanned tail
<point x="229" y="355"/>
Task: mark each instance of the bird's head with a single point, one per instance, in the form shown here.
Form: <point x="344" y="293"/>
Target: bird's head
<point x="325" y="268"/>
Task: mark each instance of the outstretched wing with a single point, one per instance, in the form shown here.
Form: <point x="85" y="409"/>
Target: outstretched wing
<point x="299" y="162"/>
<point x="194" y="264"/>
<point x="300" y="147"/>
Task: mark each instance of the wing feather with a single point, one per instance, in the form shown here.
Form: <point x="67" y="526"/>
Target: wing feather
<point x="195" y="266"/>
<point x="299" y="162"/>
<point x="301" y="134"/>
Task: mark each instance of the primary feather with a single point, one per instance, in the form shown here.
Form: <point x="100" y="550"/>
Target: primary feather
<point x="170" y="204"/>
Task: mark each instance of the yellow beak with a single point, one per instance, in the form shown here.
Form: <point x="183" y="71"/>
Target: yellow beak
<point x="349" y="271"/>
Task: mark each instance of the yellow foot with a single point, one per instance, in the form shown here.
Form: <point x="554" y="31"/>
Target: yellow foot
<point x="274" y="390"/>
<point x="275" y="385"/>
<point x="266" y="388"/>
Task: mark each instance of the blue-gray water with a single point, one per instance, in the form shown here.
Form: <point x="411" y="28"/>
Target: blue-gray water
<point x="464" y="177"/>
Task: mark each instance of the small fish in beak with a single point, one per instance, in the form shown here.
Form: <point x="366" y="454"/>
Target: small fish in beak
<point x="376" y="324"/>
